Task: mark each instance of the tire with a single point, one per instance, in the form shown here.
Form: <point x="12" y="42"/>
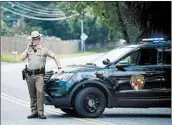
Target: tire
<point x="90" y="102"/>
<point x="69" y="111"/>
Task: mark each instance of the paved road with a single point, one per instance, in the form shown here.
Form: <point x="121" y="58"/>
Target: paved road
<point x="15" y="104"/>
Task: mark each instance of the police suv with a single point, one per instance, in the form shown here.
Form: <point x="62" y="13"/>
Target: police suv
<point x="137" y="75"/>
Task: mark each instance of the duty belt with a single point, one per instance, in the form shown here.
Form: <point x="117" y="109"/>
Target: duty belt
<point x="36" y="72"/>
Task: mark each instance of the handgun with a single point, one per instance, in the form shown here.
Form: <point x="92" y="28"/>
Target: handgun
<point x="24" y="72"/>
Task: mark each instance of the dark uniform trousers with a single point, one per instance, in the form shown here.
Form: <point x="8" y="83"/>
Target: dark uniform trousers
<point x="35" y="86"/>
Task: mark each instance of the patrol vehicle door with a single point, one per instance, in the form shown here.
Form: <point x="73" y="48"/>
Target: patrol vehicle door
<point x="165" y="61"/>
<point x="138" y="76"/>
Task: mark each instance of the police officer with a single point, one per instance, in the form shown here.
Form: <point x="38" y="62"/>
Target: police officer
<point x="36" y="55"/>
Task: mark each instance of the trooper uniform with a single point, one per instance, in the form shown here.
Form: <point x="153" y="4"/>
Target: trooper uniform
<point x="35" y="80"/>
<point x="36" y="61"/>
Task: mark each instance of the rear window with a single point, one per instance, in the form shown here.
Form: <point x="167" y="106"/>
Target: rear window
<point x="165" y="56"/>
<point x="148" y="56"/>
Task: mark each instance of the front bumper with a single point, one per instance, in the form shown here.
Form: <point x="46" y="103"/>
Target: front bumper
<point x="56" y="93"/>
<point x="57" y="101"/>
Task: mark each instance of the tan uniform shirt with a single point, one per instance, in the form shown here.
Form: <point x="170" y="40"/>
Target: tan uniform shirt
<point x="37" y="60"/>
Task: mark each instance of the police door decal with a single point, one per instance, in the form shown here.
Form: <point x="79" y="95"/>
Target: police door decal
<point x="137" y="82"/>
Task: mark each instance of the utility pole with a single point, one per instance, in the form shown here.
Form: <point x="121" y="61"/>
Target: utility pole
<point x="82" y="31"/>
<point x="83" y="35"/>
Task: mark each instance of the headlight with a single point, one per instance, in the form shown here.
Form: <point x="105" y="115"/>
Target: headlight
<point x="63" y="76"/>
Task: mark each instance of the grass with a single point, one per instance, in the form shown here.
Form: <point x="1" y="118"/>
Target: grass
<point x="7" y="57"/>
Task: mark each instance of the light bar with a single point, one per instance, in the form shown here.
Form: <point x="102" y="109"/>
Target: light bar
<point x="152" y="39"/>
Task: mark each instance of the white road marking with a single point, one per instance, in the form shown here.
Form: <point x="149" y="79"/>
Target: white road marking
<point x="67" y="61"/>
<point x="49" y="110"/>
<point x="20" y="103"/>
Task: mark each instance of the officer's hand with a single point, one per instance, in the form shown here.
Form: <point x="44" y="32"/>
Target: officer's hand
<point x="28" y="45"/>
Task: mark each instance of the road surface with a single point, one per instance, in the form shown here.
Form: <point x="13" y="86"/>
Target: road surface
<point x="15" y="104"/>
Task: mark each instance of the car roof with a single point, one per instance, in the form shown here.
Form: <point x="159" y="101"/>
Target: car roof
<point x="149" y="44"/>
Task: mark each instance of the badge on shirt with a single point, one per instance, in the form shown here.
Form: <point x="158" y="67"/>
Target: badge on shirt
<point x="39" y="52"/>
<point x="137" y="82"/>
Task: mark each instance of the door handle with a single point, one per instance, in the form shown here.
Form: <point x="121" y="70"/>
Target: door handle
<point x="150" y="73"/>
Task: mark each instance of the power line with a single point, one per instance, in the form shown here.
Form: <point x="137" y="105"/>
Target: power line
<point x="37" y="12"/>
<point x="43" y="9"/>
<point x="31" y="14"/>
<point x="37" y="18"/>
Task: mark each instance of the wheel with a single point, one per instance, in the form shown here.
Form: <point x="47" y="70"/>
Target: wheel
<point x="70" y="111"/>
<point x="90" y="102"/>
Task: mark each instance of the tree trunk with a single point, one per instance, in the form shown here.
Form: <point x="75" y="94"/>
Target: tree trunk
<point x="123" y="26"/>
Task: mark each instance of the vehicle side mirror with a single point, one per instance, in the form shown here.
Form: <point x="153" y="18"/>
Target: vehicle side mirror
<point x="106" y="62"/>
<point x="122" y="65"/>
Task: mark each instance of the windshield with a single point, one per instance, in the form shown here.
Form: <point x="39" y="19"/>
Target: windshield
<point x="113" y="55"/>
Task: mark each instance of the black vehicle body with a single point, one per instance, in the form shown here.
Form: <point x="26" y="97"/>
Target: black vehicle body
<point x="150" y="60"/>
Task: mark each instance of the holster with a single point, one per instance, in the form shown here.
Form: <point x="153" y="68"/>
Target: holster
<point x="24" y="73"/>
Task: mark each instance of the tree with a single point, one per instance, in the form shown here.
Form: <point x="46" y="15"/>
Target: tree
<point x="103" y="21"/>
<point x="152" y="17"/>
<point x="114" y="15"/>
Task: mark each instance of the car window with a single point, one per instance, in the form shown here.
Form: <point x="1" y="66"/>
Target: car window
<point x="148" y="56"/>
<point x="131" y="58"/>
<point x="165" y="56"/>
<point x="113" y="55"/>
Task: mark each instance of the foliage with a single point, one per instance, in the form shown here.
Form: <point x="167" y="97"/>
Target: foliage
<point x="4" y="27"/>
<point x="103" y="21"/>
<point x="69" y="29"/>
<point x="5" y="57"/>
<point x="112" y="14"/>
<point x="152" y="17"/>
